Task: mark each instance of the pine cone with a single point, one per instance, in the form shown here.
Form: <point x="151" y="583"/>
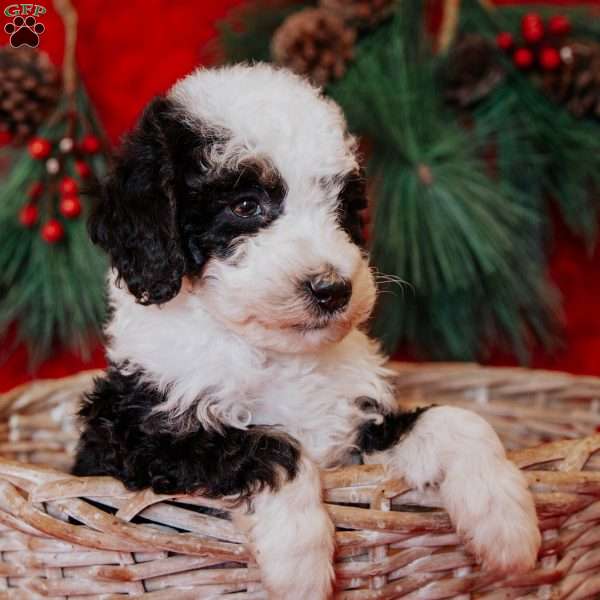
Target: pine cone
<point x="576" y="83"/>
<point x="360" y="13"/>
<point x="314" y="42"/>
<point x="29" y="90"/>
<point x="472" y="70"/>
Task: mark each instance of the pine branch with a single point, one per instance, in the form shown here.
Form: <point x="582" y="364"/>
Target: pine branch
<point x="459" y="238"/>
<point x="558" y="153"/>
<point x="54" y="293"/>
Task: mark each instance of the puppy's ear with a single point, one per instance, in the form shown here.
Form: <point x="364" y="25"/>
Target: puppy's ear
<point x="353" y="200"/>
<point x="135" y="221"/>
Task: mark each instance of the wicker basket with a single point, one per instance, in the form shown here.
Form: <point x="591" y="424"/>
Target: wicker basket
<point x="391" y="542"/>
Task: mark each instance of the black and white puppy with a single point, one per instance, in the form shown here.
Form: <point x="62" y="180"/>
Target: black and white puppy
<point x="237" y="365"/>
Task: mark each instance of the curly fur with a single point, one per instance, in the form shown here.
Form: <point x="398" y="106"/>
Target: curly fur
<point x="136" y="221"/>
<point x="127" y="439"/>
<point x="228" y="375"/>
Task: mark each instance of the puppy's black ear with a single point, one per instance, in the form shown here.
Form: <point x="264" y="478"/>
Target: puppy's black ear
<point x="353" y="200"/>
<point x="135" y="221"/>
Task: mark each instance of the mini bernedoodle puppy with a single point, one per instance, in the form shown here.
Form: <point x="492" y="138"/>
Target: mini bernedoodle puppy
<point x="237" y="362"/>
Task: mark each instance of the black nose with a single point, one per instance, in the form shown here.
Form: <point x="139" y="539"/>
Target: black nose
<point x="331" y="291"/>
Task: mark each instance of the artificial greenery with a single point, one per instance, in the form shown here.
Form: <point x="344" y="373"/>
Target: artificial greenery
<point x="462" y="196"/>
<point x="52" y="293"/>
<point x="442" y="223"/>
<point x="542" y="148"/>
<point x="558" y="153"/>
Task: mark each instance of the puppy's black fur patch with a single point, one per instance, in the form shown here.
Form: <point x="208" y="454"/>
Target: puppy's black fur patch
<point x="162" y="216"/>
<point x="135" y="220"/>
<point x="376" y="437"/>
<point x="207" y="223"/>
<point x="353" y="200"/>
<point x="123" y="437"/>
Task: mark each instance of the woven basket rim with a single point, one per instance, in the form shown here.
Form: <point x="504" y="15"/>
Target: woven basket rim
<point x="402" y="367"/>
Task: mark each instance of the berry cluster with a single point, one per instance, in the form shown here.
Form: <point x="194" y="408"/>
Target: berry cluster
<point x="57" y="184"/>
<point x="540" y="42"/>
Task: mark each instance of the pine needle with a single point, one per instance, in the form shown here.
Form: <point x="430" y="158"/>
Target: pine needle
<point x="54" y="293"/>
<point x="542" y="148"/>
<point x="442" y="223"/>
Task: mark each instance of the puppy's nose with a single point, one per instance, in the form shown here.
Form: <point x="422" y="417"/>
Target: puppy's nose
<point x="331" y="291"/>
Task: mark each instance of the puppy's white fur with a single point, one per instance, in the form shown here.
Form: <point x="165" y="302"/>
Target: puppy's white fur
<point x="194" y="357"/>
<point x="238" y="342"/>
<point x="485" y="494"/>
<point x="293" y="538"/>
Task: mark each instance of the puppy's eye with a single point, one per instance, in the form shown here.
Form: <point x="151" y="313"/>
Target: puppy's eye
<point x="246" y="207"/>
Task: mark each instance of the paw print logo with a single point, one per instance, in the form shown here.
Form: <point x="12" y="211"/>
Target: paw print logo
<point x="24" y="31"/>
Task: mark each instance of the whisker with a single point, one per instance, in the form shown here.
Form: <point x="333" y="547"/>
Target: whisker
<point x="388" y="278"/>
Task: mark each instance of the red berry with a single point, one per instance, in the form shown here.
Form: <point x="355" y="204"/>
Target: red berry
<point x="6" y="137"/>
<point x="523" y="58"/>
<point x="549" y="58"/>
<point x="28" y="215"/>
<point x="70" y="207"/>
<point x="68" y="186"/>
<point x="532" y="28"/>
<point x="83" y="169"/>
<point x="40" y="148"/>
<point x="52" y="231"/>
<point x="36" y="190"/>
<point x="90" y="144"/>
<point x="504" y="40"/>
<point x="559" y="25"/>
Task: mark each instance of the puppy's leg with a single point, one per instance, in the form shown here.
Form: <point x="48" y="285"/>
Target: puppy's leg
<point x="263" y="466"/>
<point x="484" y="493"/>
<point x="293" y="537"/>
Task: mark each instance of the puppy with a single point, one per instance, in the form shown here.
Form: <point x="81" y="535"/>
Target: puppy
<point x="237" y="362"/>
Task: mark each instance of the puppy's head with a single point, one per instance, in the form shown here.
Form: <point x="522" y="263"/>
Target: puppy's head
<point x="241" y="188"/>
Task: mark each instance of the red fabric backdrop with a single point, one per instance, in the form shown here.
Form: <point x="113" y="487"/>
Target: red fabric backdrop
<point x="130" y="51"/>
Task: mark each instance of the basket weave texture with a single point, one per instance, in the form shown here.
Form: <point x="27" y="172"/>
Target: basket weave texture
<point x="67" y="537"/>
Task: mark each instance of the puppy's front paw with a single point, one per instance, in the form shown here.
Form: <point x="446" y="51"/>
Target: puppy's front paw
<point x="485" y="495"/>
<point x="292" y="538"/>
<point x="298" y="565"/>
<point x="494" y="512"/>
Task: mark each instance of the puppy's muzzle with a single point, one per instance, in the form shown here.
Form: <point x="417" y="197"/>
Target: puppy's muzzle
<point x="329" y="291"/>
